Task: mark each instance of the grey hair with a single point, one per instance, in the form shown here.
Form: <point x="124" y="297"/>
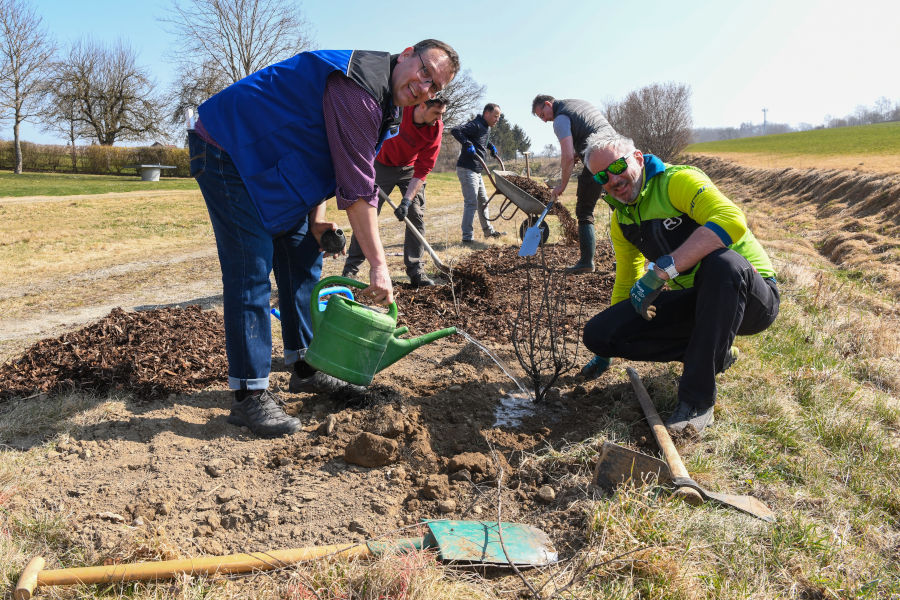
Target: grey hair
<point x="605" y="138"/>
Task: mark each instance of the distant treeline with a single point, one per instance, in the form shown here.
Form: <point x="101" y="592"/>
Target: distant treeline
<point x="883" y="111"/>
<point x="94" y="159"/>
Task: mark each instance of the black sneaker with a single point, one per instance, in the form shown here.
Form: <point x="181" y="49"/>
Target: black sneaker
<point x="494" y="234"/>
<point x="468" y="242"/>
<point x="687" y="414"/>
<point x="261" y="413"/>
<point x="420" y="280"/>
<point x="323" y="383"/>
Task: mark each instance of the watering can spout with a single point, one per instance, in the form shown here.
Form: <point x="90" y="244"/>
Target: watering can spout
<point x="398" y="348"/>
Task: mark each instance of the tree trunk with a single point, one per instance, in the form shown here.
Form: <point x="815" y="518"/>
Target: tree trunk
<point x="18" y="146"/>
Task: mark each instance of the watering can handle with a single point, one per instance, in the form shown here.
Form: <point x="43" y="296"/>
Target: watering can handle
<point x="338" y="280"/>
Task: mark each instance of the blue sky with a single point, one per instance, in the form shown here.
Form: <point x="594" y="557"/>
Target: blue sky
<point x="800" y="59"/>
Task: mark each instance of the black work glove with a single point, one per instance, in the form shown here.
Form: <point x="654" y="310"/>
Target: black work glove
<point x="645" y="291"/>
<point x="401" y="211"/>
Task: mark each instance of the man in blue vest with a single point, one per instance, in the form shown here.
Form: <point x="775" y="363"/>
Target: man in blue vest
<point x="267" y="152"/>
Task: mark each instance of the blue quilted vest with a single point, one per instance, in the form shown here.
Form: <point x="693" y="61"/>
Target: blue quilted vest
<point x="272" y="125"/>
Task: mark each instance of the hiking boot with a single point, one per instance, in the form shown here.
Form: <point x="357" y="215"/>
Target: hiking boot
<point x="687" y="414"/>
<point x="732" y="357"/>
<point x="494" y="234"/>
<point x="468" y="242"/>
<point x="323" y="383"/>
<point x="260" y="413"/>
<point x="420" y="280"/>
<point x="595" y="367"/>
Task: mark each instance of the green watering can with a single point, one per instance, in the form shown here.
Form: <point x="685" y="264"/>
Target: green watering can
<point x="352" y="341"/>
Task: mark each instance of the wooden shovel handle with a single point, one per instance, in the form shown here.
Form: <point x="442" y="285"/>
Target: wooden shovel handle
<point x="673" y="459"/>
<point x="34" y="575"/>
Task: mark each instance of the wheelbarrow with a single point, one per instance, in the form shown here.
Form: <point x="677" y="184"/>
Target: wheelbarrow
<point x="515" y="199"/>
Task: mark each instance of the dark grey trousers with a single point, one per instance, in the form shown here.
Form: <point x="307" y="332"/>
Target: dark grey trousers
<point x="387" y="178"/>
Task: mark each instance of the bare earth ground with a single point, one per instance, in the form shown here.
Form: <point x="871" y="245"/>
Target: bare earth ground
<point x="167" y="476"/>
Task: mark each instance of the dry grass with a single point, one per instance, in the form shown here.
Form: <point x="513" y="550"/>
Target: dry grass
<point x="885" y="163"/>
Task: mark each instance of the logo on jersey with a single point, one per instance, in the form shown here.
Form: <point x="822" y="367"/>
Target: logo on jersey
<point x="671" y="223"/>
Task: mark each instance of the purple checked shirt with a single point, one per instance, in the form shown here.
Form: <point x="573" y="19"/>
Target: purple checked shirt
<point x="352" y="123"/>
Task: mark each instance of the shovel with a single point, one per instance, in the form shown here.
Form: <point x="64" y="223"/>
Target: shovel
<point x="532" y="238"/>
<point x="686" y="487"/>
<point x="412" y="228"/>
<point x="470" y="542"/>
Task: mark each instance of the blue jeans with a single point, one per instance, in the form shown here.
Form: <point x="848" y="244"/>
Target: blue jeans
<point x="247" y="255"/>
<point x="474" y="200"/>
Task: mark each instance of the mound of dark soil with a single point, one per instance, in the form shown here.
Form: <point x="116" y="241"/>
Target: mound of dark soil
<point x="154" y="353"/>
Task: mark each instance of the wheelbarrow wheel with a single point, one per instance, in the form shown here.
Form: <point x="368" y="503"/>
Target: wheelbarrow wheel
<point x="545" y="229"/>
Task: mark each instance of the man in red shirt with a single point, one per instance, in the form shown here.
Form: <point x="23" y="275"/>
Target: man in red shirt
<point x="405" y="161"/>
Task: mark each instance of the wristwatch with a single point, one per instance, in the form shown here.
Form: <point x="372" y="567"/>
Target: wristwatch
<point x="667" y="263"/>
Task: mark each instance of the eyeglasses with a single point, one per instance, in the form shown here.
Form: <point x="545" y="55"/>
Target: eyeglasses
<point x="426" y="77"/>
<point x="616" y="167"/>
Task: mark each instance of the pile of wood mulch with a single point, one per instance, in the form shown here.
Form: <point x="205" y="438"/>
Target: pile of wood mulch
<point x="151" y="354"/>
<point x="541" y="192"/>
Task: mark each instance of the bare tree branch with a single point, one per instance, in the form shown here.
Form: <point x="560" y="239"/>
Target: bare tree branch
<point x="223" y="41"/>
<point x="539" y="335"/>
<point x="25" y="54"/>
<point x="114" y="98"/>
<point x="656" y="117"/>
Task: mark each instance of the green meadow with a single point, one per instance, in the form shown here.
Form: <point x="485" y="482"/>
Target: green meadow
<point x="880" y="138"/>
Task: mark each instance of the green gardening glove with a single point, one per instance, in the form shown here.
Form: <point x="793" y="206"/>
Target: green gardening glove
<point x="645" y="291"/>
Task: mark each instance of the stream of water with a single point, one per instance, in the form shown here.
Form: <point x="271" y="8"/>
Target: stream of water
<point x="513" y="407"/>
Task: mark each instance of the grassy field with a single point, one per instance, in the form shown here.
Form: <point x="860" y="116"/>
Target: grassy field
<point x="881" y="138"/>
<point x="49" y="184"/>
<point x="808" y="421"/>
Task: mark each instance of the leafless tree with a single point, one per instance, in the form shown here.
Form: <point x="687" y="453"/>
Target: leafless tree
<point x="25" y="52"/>
<point x="541" y="339"/>
<point x="656" y="117"/>
<point x="463" y="96"/>
<point x="193" y="85"/>
<point x="113" y="98"/>
<point x="59" y="111"/>
<point x="223" y="41"/>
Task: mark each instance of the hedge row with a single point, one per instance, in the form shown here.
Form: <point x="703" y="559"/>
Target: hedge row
<point x="97" y="160"/>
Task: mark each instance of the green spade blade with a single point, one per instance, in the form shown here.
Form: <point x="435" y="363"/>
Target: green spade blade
<point x="480" y="542"/>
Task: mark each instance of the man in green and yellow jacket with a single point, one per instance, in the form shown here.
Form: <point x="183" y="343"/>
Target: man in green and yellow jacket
<point x="718" y="279"/>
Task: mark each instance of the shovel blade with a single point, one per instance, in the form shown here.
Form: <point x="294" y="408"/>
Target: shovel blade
<point x="747" y="504"/>
<point x="480" y="542"/>
<point x="618" y="465"/>
<point x="531" y="241"/>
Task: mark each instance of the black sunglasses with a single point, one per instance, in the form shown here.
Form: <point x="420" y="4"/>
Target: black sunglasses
<point x="616" y="167"/>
